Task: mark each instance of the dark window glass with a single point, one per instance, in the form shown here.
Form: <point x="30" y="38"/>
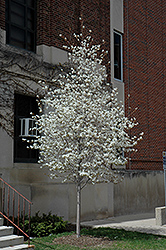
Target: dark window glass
<point x="7" y="11"/>
<point x="17" y="14"/>
<point x="30" y="19"/>
<point x="117" y="56"/>
<point x="21" y="23"/>
<point x="30" y="37"/>
<point x="21" y="1"/>
<point x="31" y="3"/>
<point x="23" y="106"/>
<point x="17" y="37"/>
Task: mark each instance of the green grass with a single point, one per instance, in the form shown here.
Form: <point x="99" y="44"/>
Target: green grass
<point x="121" y="239"/>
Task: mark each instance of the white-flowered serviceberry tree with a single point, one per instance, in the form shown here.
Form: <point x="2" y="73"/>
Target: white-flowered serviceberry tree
<point x="83" y="131"/>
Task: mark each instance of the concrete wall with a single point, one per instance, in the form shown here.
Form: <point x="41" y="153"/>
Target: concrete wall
<point x="2" y="36"/>
<point x="6" y="150"/>
<point x="60" y="199"/>
<point x="139" y="192"/>
<point x="52" y="54"/>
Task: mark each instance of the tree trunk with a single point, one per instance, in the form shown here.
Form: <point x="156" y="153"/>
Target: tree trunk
<point x="78" y="209"/>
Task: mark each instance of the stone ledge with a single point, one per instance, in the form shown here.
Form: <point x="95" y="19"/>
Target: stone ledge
<point x="160" y="214"/>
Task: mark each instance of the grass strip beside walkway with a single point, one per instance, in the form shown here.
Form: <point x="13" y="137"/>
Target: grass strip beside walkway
<point x="117" y="238"/>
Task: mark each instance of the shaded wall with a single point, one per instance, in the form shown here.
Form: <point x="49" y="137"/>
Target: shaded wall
<point x="139" y="192"/>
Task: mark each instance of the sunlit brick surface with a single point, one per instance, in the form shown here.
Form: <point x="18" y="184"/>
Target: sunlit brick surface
<point x="144" y="77"/>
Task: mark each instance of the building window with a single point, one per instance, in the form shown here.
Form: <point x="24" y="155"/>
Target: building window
<point x="24" y="105"/>
<point x="118" y="56"/>
<point x="21" y="24"/>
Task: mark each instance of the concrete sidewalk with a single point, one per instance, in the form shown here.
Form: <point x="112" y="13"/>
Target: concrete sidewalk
<point x="144" y="223"/>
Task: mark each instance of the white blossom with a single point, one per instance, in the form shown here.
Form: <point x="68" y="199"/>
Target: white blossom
<point x="83" y="130"/>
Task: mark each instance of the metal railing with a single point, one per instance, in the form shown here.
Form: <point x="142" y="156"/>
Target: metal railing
<point x="15" y="205"/>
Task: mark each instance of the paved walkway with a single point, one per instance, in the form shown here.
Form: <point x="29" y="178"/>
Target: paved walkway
<point x="145" y="223"/>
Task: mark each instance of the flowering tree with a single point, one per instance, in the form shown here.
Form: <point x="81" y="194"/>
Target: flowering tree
<point x="82" y="128"/>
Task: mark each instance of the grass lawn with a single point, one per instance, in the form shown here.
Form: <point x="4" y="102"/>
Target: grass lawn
<point x="120" y="239"/>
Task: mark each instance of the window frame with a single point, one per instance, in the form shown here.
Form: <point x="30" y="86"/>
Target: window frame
<point x="121" y="55"/>
<point x="27" y="31"/>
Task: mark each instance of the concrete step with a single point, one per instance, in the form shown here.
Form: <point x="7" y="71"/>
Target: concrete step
<point x="5" y="230"/>
<point x="11" y="240"/>
<point x="8" y="241"/>
<point x="19" y="247"/>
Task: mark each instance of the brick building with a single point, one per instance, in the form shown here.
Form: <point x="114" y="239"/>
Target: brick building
<point x="134" y="34"/>
<point x="144" y="77"/>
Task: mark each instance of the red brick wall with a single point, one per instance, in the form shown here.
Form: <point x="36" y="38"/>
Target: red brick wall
<point x="96" y="16"/>
<point x="61" y="17"/>
<point x="2" y="14"/>
<point x="144" y="77"/>
<point x="54" y="18"/>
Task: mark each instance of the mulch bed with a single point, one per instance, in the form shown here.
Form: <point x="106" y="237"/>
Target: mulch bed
<point x="83" y="242"/>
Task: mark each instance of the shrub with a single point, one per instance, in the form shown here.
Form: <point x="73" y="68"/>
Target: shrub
<point x="43" y="225"/>
<point x="47" y="224"/>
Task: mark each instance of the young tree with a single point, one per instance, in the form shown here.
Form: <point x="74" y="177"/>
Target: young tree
<point x="82" y="128"/>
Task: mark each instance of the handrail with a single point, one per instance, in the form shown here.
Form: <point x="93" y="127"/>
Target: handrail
<point x="14" y="224"/>
<point x="15" y="190"/>
<point x="8" y="206"/>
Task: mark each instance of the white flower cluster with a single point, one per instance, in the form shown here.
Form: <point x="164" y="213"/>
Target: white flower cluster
<point x="82" y="128"/>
